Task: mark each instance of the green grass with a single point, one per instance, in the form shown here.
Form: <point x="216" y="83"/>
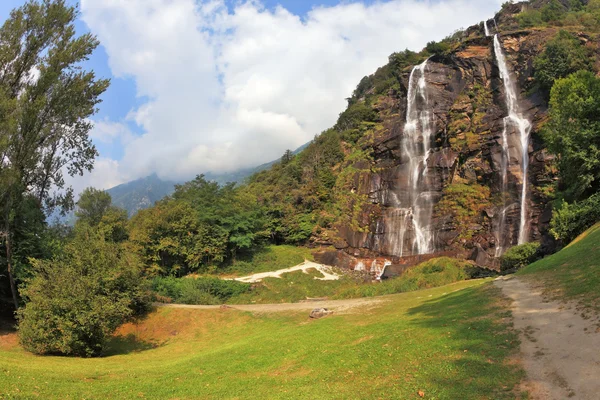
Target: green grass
<point x="295" y="286"/>
<point x="269" y="258"/>
<point x="450" y="342"/>
<point x="574" y="272"/>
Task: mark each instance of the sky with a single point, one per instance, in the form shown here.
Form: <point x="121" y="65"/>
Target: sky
<point x="219" y="85"/>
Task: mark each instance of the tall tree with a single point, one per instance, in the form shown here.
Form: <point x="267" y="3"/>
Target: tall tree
<point x="573" y="133"/>
<point x="92" y="205"/>
<point x="46" y="98"/>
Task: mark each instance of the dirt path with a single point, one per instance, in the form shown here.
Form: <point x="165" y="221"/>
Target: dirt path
<point x="560" y="348"/>
<point x="335" y="305"/>
<point x="328" y="274"/>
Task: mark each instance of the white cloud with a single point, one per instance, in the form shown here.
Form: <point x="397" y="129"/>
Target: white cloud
<point x="106" y="131"/>
<point x="235" y="88"/>
<point x="105" y="175"/>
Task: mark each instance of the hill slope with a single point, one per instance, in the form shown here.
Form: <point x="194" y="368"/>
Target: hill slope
<point x="446" y="343"/>
<point x="574" y="272"/>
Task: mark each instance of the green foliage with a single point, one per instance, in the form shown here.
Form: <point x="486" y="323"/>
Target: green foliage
<point x="92" y="205"/>
<point x="45" y="119"/>
<point x="563" y="55"/>
<point x="198" y="290"/>
<point x="296" y="286"/>
<point x="269" y="258"/>
<point x="520" y="256"/>
<point x="571" y="220"/>
<point x="76" y="300"/>
<point x="573" y="133"/>
<point x="464" y="203"/>
<point x="200" y="225"/>
<point x="530" y="18"/>
<point x="354" y="116"/>
<point x="437" y="48"/>
<point x="433" y="273"/>
<point x="553" y="11"/>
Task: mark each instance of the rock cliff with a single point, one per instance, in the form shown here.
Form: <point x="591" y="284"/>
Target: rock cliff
<point x="476" y="208"/>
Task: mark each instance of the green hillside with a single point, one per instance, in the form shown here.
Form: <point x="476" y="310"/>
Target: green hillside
<point x="574" y="272"/>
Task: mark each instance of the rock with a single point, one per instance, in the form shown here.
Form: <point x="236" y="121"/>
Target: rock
<point x="320" y="313"/>
<point x="467" y="98"/>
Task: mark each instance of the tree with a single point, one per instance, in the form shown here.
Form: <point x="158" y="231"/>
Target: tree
<point x="46" y="98"/>
<point x="92" y="206"/>
<point x="563" y="55"/>
<point x="287" y="157"/>
<point x="573" y="133"/>
<point x="553" y="11"/>
<point x="76" y="300"/>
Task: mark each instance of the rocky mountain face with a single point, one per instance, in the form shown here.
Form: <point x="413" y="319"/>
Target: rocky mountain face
<point x="469" y="158"/>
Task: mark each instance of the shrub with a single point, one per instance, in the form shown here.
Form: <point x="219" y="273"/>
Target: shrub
<point x="433" y="273"/>
<point x="77" y="300"/>
<point x="200" y="290"/>
<point x="563" y="55"/>
<point x="530" y="18"/>
<point x="571" y="220"/>
<point x="519" y="256"/>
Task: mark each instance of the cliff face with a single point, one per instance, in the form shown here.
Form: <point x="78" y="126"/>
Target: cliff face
<point x="475" y="204"/>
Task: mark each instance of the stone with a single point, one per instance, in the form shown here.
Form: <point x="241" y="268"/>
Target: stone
<point x="320" y="313"/>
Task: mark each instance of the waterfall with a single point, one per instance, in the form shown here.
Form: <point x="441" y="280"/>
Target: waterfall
<point x="486" y="29"/>
<point x="416" y="146"/>
<point x="516" y="120"/>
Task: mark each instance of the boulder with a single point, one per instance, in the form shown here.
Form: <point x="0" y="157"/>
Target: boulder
<point x="320" y="313"/>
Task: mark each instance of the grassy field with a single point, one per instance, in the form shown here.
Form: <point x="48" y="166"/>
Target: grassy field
<point x="452" y="342"/>
<point x="269" y="258"/>
<point x="574" y="272"/>
<point x="295" y="286"/>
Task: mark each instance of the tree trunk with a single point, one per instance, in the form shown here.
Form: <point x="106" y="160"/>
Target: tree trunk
<point x="13" y="287"/>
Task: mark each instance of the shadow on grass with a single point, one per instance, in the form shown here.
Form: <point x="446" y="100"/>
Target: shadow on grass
<point x="474" y="324"/>
<point x="127" y="344"/>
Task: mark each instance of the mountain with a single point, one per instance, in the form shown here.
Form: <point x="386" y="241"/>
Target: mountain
<point x="143" y="193"/>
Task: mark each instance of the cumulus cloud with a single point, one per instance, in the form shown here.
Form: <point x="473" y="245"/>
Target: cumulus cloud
<point x="234" y="87"/>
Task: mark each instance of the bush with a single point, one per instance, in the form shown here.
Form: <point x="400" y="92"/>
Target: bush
<point x="200" y="290"/>
<point x="429" y="274"/>
<point x="519" y="256"/>
<point x="571" y="220"/>
<point x="563" y="55"/>
<point x="77" y="300"/>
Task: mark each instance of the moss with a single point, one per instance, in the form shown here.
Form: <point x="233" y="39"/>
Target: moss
<point x="465" y="204"/>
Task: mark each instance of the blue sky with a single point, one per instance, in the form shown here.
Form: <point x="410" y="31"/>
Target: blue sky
<point x="219" y="85"/>
<point x="121" y="97"/>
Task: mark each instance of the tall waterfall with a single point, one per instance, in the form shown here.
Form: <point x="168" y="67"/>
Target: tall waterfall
<point x="486" y="29"/>
<point x="515" y="120"/>
<point x="416" y="146"/>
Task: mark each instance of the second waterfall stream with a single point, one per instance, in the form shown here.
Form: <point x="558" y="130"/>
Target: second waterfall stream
<point x="416" y="147"/>
<point x="515" y="120"/>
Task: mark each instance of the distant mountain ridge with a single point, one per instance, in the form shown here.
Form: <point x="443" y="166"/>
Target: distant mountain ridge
<point x="141" y="193"/>
<point x="144" y="192"/>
